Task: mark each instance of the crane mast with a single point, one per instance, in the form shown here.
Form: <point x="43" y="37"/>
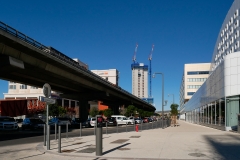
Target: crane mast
<point x="135" y="52"/>
<point x="150" y="72"/>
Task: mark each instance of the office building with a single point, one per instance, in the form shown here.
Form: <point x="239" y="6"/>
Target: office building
<point x="216" y="103"/>
<point x="194" y="76"/>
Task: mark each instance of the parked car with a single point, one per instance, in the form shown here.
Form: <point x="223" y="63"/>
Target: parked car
<point x="138" y="120"/>
<point x="32" y="123"/>
<point x="145" y="120"/>
<point x="8" y="123"/>
<point x="111" y="121"/>
<point x="76" y="122"/>
<point x="150" y="119"/>
<point x="123" y="119"/>
<point x="90" y="122"/>
<point x="62" y="121"/>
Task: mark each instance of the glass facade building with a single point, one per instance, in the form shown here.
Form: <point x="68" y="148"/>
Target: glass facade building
<point x="216" y="103"/>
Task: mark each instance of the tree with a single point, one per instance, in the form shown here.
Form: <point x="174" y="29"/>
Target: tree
<point x="108" y="112"/>
<point x="55" y="110"/>
<point x="122" y="110"/>
<point x="94" y="111"/>
<point x="174" y="109"/>
<point x="131" y="110"/>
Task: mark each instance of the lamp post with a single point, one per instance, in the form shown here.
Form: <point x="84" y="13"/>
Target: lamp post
<point x="172" y="95"/>
<point x="162" y="95"/>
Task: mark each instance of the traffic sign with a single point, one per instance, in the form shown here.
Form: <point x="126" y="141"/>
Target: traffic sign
<point x="47" y="90"/>
<point x="47" y="100"/>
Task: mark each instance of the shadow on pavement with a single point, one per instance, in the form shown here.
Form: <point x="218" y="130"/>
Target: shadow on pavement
<point x="111" y="150"/>
<point x="226" y="146"/>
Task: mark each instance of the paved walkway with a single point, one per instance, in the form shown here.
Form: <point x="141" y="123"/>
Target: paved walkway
<point x="188" y="141"/>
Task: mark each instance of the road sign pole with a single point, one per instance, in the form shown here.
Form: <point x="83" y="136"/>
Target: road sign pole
<point x="48" y="129"/>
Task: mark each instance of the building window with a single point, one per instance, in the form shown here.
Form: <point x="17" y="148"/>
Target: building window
<point x="190" y="93"/>
<point x="23" y="86"/>
<point x="12" y="86"/>
<point x="32" y="87"/>
<point x="197" y="72"/>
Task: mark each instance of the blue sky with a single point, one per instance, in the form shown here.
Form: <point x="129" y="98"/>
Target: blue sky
<point x="103" y="34"/>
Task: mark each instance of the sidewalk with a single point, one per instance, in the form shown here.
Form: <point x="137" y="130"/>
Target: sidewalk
<point x="188" y="141"/>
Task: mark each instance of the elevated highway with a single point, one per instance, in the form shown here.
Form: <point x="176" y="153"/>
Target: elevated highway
<point x="24" y="60"/>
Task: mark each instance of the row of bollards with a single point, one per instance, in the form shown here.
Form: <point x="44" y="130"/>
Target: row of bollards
<point x="97" y="132"/>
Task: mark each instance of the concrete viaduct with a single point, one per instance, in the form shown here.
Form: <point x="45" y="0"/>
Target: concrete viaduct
<point x="24" y="60"/>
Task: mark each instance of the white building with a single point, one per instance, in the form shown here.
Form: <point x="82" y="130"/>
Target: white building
<point x="217" y="102"/>
<point x="112" y="75"/>
<point x="194" y="76"/>
<point x="140" y="80"/>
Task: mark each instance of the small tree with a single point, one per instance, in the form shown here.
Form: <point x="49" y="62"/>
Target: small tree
<point x="174" y="109"/>
<point x="55" y="110"/>
<point x="131" y="110"/>
<point x="122" y="110"/>
<point x="94" y="111"/>
<point x="108" y="112"/>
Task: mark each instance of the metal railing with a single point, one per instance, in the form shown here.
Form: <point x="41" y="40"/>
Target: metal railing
<point x="55" y="53"/>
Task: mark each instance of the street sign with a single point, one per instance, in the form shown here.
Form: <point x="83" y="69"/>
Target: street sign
<point x="47" y="90"/>
<point x="47" y="100"/>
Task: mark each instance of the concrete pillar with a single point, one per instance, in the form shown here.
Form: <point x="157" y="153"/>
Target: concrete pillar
<point x="83" y="109"/>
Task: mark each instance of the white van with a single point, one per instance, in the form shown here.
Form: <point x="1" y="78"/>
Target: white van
<point x="123" y="119"/>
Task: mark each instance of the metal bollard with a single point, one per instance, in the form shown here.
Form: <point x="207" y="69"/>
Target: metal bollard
<point x="44" y="135"/>
<point x="134" y="126"/>
<point x="55" y="131"/>
<point x="59" y="139"/>
<point x="152" y="124"/>
<point x="94" y="128"/>
<point x="66" y="130"/>
<point x="117" y="127"/>
<point x="126" y="127"/>
<point x="106" y="128"/>
<point x="141" y="125"/>
<point x="48" y="137"/>
<point x="80" y="129"/>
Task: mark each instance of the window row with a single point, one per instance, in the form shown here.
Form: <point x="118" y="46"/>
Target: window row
<point x="197" y="72"/>
<point x="193" y="86"/>
<point x="196" y="79"/>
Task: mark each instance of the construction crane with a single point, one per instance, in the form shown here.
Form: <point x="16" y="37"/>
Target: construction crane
<point x="135" y="52"/>
<point x="150" y="72"/>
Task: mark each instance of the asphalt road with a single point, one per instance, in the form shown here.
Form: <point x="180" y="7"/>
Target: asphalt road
<point x="33" y="136"/>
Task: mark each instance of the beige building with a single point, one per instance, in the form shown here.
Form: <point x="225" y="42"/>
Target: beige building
<point x="140" y="80"/>
<point x="193" y="77"/>
<point x="111" y="75"/>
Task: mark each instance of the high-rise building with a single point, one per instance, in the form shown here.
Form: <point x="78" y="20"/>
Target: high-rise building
<point x="140" y="80"/>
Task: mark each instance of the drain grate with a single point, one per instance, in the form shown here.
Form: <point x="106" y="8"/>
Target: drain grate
<point x="120" y="141"/>
<point x="196" y="154"/>
<point x="123" y="149"/>
<point x="68" y="150"/>
<point x="135" y="136"/>
<point x="78" y="143"/>
<point x="87" y="150"/>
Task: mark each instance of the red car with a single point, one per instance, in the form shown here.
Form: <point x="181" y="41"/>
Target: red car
<point x="145" y="120"/>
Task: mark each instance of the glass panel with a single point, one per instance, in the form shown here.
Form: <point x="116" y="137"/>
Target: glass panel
<point x="232" y="111"/>
<point x="222" y="111"/>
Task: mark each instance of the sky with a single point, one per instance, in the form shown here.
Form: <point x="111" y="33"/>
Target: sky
<point x="104" y="33"/>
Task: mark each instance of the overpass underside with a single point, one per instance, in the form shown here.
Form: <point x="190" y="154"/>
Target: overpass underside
<point x="26" y="64"/>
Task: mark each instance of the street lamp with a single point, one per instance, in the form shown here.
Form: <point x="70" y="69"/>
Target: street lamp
<point x="162" y="95"/>
<point x="172" y="95"/>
